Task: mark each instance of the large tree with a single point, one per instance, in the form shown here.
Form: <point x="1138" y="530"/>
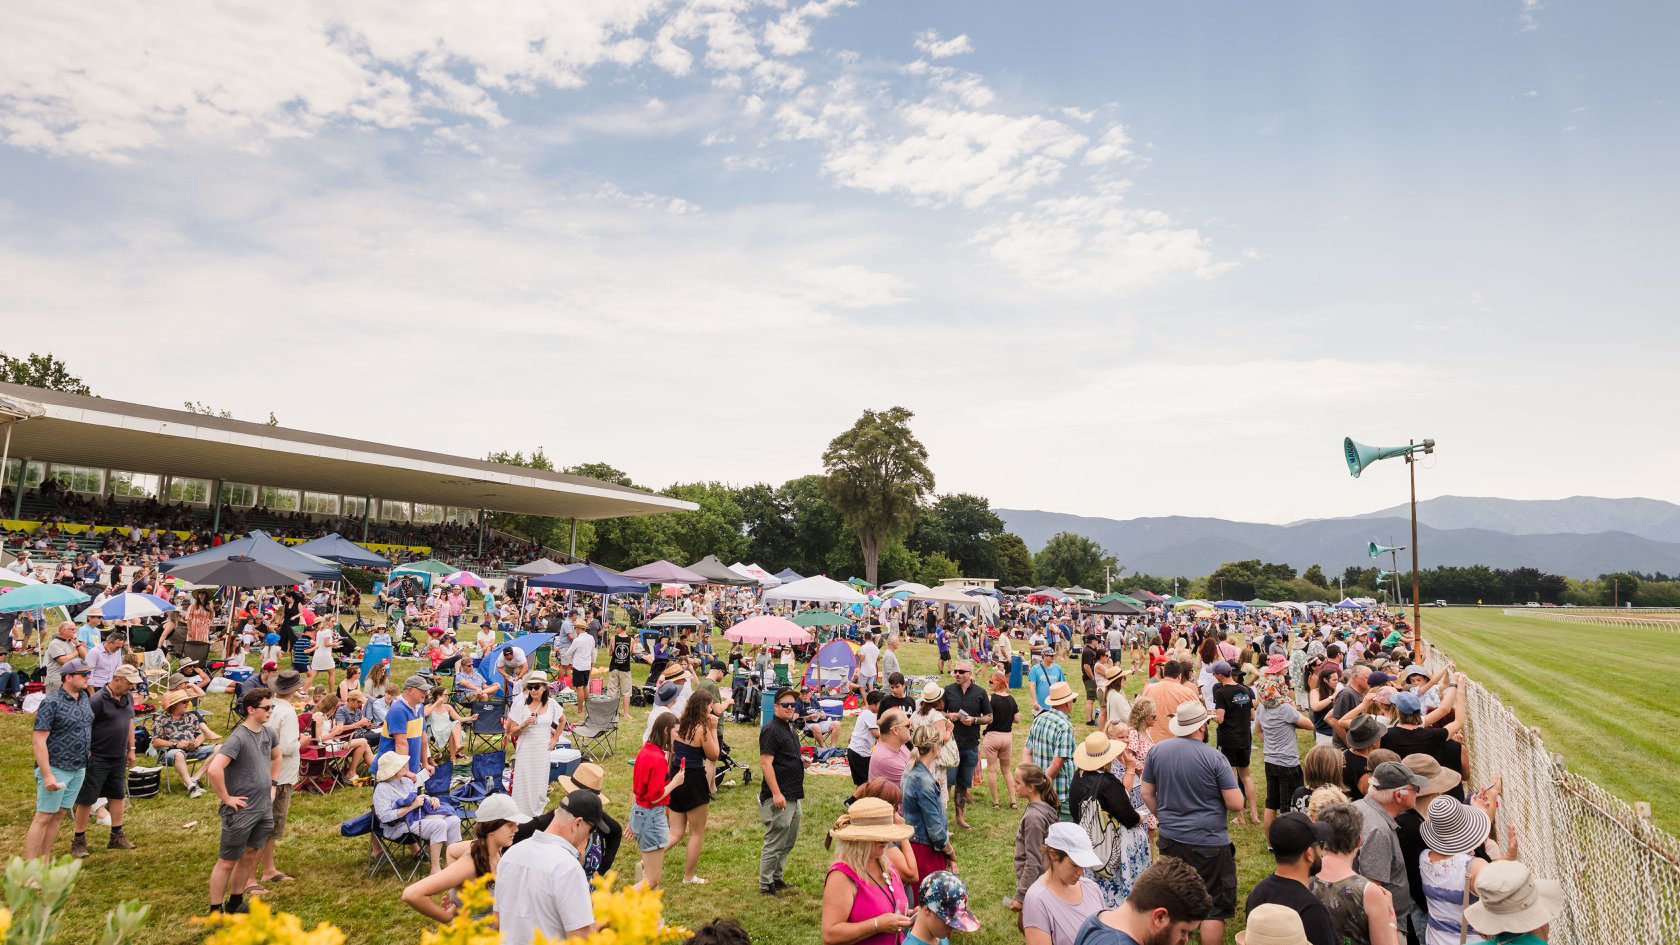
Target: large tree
<point x="41" y="370"/>
<point x="715" y="528"/>
<point x="1015" y="563"/>
<point x="878" y="476"/>
<point x="1068" y="559"/>
<point x="961" y="528"/>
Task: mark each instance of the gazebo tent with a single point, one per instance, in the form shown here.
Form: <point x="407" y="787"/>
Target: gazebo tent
<point x="1148" y="597"/>
<point x="590" y="580"/>
<point x="817" y="589"/>
<point x="337" y="548"/>
<point x="265" y="549"/>
<point x="789" y="575"/>
<point x="1077" y="591"/>
<point x="716" y="572"/>
<point x="664" y="572"/>
<point x="540" y="567"/>
<point x="956" y="598"/>
<point x="1114" y="608"/>
<point x="1230" y="605"/>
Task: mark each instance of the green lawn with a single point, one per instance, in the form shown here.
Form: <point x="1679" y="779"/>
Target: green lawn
<point x="1602" y="696"/>
<point x="177" y="842"/>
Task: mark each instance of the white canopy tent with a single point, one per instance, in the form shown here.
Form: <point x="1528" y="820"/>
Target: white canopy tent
<point x="954" y="596"/>
<point x="753" y="572"/>
<point x="819" y="589"/>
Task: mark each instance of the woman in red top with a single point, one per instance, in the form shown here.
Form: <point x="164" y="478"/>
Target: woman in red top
<point x="647" y="815"/>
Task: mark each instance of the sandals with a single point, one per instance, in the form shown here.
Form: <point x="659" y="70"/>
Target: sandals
<point x="695" y="881"/>
<point x="277" y="878"/>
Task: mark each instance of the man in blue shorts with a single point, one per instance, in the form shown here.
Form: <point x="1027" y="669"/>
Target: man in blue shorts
<point x="63" y="739"/>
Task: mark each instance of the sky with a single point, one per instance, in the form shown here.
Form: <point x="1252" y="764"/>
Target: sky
<point x="1120" y="259"/>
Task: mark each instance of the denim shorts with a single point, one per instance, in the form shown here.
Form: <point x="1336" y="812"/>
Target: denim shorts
<point x="650" y="828"/>
<point x="51" y="802"/>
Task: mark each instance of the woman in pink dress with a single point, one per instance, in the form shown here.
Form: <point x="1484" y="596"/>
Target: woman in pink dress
<point x="864" y="901"/>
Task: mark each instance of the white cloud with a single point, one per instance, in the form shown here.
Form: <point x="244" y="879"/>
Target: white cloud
<point x="1114" y="145"/>
<point x="936" y="48"/>
<point x="791" y="32"/>
<point x="1527" y="17"/>
<point x="1093" y="244"/>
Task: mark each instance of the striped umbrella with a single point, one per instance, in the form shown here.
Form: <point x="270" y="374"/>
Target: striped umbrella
<point x="132" y="607"/>
<point x="465" y="579"/>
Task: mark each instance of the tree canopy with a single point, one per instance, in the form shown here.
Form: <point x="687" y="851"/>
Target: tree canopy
<point x="1068" y="559"/>
<point x="877" y="476"/>
<point x="41" y="370"/>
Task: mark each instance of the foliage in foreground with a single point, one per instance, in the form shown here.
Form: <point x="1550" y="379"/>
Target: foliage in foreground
<point x="35" y="896"/>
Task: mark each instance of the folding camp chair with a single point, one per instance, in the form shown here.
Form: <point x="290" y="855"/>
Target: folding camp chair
<point x="597" y="737"/>
<point x="404" y="855"/>
<point x="486" y="779"/>
<point x="484" y="733"/>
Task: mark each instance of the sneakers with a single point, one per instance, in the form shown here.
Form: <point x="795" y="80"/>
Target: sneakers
<point x="194" y="789"/>
<point x="120" y="842"/>
<point x="78" y="847"/>
<point x="781" y="886"/>
<point x="767" y="890"/>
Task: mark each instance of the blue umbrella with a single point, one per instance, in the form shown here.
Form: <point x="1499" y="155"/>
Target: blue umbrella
<point x="39" y="597"/>
<point x="133" y="606"/>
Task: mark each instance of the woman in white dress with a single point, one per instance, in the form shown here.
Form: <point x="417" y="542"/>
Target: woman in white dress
<point x="321" y="656"/>
<point x="533" y="723"/>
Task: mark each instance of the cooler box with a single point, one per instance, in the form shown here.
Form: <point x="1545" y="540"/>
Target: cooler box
<point x="834" y="708"/>
<point x="563" y="761"/>
<point x="237" y="673"/>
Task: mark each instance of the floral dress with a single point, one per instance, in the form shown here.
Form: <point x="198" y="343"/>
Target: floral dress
<point x="1140" y="742"/>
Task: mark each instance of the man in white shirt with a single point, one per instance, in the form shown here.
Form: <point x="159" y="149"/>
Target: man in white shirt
<point x="867" y="655"/>
<point x="889" y="659"/>
<point x="540" y="883"/>
<point x="581" y="654"/>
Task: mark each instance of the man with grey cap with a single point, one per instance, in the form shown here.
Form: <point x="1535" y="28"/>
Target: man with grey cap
<point x="1393" y="789"/>
<point x="404" y="729"/>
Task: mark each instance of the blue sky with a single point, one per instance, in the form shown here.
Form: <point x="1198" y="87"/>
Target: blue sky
<point x="1121" y="259"/>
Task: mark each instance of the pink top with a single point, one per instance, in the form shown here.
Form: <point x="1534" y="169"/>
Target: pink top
<point x="871" y="900"/>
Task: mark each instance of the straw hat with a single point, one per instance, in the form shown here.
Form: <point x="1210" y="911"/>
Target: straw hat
<point x="1453" y="828"/>
<point x="535" y="676"/>
<point x="174" y="699"/>
<point x="1513" y="899"/>
<point x="1060" y="694"/>
<point x="390" y="764"/>
<point x="672" y="672"/>
<point x="870" y="819"/>
<point x="1188" y="717"/>
<point x="1116" y="672"/>
<point x="1096" y="752"/>
<point x="932" y="692"/>
<point x="588" y="777"/>
<point x="1273" y="924"/>
<point x="1440" y="779"/>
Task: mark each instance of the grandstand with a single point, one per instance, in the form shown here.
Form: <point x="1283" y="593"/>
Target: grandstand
<point x="154" y="481"/>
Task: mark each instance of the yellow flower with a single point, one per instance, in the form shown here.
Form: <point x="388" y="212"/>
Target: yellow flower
<point x="630" y="916"/>
<point x="262" y="926"/>
<point x="5" y="922"/>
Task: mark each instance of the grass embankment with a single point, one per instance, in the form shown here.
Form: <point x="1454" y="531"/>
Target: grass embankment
<point x="177" y="842"/>
<point x="1602" y="696"/>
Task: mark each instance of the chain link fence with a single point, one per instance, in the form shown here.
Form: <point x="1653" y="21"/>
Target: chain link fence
<point x="1620" y="872"/>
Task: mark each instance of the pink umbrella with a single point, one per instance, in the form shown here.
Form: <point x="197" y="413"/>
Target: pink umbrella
<point x="767" y="629"/>
<point x="465" y="579"/>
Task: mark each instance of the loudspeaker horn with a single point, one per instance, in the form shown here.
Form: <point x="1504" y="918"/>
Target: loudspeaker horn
<point x="1359" y="455"/>
<point x="1375" y="549"/>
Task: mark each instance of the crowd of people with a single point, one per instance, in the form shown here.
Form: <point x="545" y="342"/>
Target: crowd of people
<point x="1126" y="802"/>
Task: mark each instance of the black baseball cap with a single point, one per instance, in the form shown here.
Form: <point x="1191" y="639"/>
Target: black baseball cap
<point x="1293" y="833"/>
<point x="586" y="806"/>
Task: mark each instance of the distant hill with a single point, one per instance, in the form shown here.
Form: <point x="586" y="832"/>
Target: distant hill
<point x="1193" y="546"/>
<point x="1581" y="515"/>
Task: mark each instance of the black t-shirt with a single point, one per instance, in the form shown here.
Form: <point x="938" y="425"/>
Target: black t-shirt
<point x="1004" y="711"/>
<point x="779" y="742"/>
<point x="1315" y="918"/>
<point x="1416" y="741"/>
<point x="975" y="703"/>
<point x="1238" y="702"/>
<point x="1353" y="768"/>
<point x="1087" y="666"/>
<point x="111" y="719"/>
<point x="620" y="656"/>
<point x="1408" y="826"/>
<point x="896" y="702"/>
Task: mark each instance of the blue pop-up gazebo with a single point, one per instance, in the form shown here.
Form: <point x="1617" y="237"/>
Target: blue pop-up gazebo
<point x="336" y="547"/>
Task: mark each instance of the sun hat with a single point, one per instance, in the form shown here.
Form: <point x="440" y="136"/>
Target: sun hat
<point x="1413" y="670"/>
<point x="176" y="679"/>
<point x="174" y="699"/>
<point x="944" y="895"/>
<point x="1425" y="766"/>
<point x="1097" y="751"/>
<point x="499" y="807"/>
<point x="1407" y="702"/>
<point x="1513" y="899"/>
<point x="1188" y="717"/>
<point x="536" y="676"/>
<point x="1060" y="694"/>
<point x="671" y="672"/>
<point x="1070" y="838"/>
<point x="389" y="764"/>
<point x="870" y="819"/>
<point x="588" y="777"/>
<point x="1115" y="672"/>
<point x="1364" y="731"/>
<point x="1294" y="833"/>
<point x="1272" y="924"/>
<point x="932" y="692"/>
<point x="1453" y="828"/>
<point x="1277" y="663"/>
<point x="268" y="666"/>
<point x="667" y="694"/>
<point x="288" y="682"/>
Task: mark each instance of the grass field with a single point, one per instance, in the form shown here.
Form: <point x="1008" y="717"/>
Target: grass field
<point x="1602" y="696"/>
<point x="177" y="842"/>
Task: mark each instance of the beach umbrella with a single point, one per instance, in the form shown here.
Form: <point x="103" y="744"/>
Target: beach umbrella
<point x="131" y="607"/>
<point x="819" y="618"/>
<point x="673" y="590"/>
<point x="767" y="629"/>
<point x="39" y="597"/>
<point x="465" y="579"/>
<point x="676" y="618"/>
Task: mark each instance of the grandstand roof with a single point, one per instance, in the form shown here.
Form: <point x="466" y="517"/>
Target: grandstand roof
<point x="93" y="431"/>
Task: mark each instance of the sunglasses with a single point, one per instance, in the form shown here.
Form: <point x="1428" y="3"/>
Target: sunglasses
<point x="785" y="705"/>
<point x="266" y="708"/>
<point x="535" y="686"/>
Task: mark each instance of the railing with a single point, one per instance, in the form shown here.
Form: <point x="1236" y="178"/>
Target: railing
<point x="1620" y="872"/>
<point x="1664" y="620"/>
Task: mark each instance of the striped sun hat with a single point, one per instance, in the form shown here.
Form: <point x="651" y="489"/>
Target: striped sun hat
<point x="1453" y="827"/>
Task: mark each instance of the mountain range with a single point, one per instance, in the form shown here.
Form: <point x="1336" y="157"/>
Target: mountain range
<point x="1580" y="537"/>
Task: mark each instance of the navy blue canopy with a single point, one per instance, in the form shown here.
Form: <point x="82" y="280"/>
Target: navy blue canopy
<point x="336" y="547"/>
<point x="589" y="579"/>
<point x="788" y="576"/>
<point x="265" y="549"/>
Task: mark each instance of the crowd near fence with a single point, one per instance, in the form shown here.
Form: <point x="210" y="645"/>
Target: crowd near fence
<point x="1620" y="872"/>
<point x="1667" y="620"/>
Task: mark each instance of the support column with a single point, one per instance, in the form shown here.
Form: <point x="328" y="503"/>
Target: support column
<point x="571" y="549"/>
<point x="216" y="506"/>
<point x="367" y="510"/>
<point x="481" y="533"/>
<point x="17" y="495"/>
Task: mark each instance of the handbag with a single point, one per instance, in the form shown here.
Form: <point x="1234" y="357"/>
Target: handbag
<point x="1106" y="840"/>
<point x="949" y="755"/>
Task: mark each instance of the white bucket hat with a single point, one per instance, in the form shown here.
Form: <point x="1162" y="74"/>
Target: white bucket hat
<point x="1513" y="899"/>
<point x="1188" y="717"/>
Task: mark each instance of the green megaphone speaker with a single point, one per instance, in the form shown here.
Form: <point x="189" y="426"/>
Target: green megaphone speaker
<point x="1383" y="575"/>
<point x="1374" y="549"/>
<point x="1359" y="455"/>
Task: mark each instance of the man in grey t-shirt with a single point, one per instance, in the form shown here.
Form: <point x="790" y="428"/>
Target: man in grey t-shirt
<point x="1189" y="786"/>
<point x="244" y="773"/>
<point x="62" y="649"/>
<point x="1358" y="683"/>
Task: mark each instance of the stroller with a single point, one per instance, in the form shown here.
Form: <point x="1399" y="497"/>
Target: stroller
<point x="727" y="765"/>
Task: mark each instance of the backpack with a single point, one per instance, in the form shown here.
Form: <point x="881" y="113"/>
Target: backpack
<point x="1105" y="836"/>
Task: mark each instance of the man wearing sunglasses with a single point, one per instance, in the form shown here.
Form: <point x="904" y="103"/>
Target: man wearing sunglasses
<point x="783" y="765"/>
<point x="970" y="710"/>
<point x="244" y="774"/>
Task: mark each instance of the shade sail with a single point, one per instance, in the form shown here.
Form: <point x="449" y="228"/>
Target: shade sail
<point x="664" y="572"/>
<point x="716" y="572"/>
<point x="589" y="579"/>
<point x="539" y="567"/>
<point x="337" y="548"/>
<point x="818" y="589"/>
<point x="258" y="546"/>
<point x="767" y="629"/>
